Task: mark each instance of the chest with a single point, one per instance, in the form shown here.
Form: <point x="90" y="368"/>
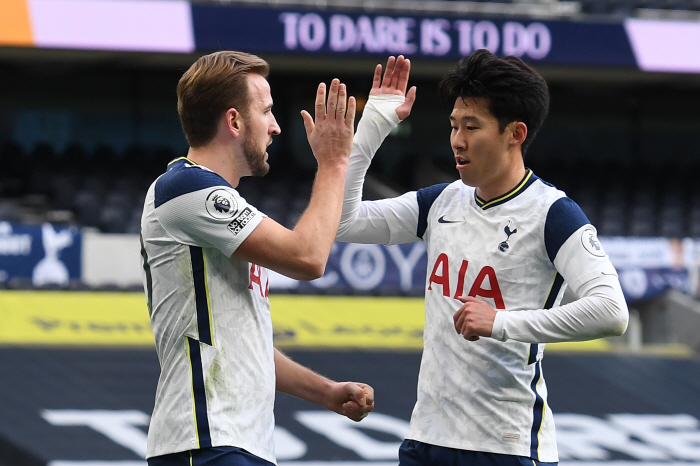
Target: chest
<point x="489" y="253"/>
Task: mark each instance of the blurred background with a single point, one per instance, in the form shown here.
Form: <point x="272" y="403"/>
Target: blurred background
<point x="88" y="120"/>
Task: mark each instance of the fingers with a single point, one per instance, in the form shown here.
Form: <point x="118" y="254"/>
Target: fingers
<point x="355" y="392"/>
<point x="332" y="104"/>
<point x="468" y="299"/>
<point x="394" y="84"/>
<point x="350" y="115"/>
<point x="403" y="73"/>
<point x="411" y="96"/>
<point x="377" y="79"/>
<point x="404" y="110"/>
<point x="320" y="106"/>
<point x="389" y="72"/>
<point x="337" y="106"/>
<point x="308" y="122"/>
<point x="342" y="102"/>
<point x="360" y="401"/>
<point x="459" y="320"/>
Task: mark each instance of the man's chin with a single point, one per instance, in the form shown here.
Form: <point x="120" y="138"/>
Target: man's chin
<point x="262" y="170"/>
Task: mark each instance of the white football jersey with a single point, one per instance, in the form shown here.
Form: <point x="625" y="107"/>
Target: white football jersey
<point x="210" y="316"/>
<point x="487" y="395"/>
<point x="517" y="253"/>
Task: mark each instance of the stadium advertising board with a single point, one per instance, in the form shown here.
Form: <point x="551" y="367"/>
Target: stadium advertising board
<point x="352" y="34"/>
<point x="91" y="408"/>
<point x="647" y="267"/>
<point x="55" y="318"/>
<point x="44" y="254"/>
<point x="178" y="26"/>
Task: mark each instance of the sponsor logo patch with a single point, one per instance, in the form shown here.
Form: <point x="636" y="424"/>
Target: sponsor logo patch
<point x="221" y="204"/>
<point x="591" y="243"/>
<point x="238" y="223"/>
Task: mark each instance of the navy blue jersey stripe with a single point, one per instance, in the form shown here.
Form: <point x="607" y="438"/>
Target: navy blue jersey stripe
<point x="563" y="219"/>
<point x="149" y="278"/>
<point x="200" y="294"/>
<point x="538" y="408"/>
<point x="181" y="178"/>
<point x="537" y="414"/>
<point x="199" y="395"/>
<point x="532" y="357"/>
<point x="426" y="197"/>
<point x="554" y="291"/>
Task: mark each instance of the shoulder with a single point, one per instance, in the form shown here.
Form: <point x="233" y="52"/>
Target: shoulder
<point x="564" y="218"/>
<point x="426" y="197"/>
<point x="184" y="177"/>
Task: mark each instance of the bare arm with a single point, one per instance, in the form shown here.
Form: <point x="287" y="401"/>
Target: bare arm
<point x="351" y="399"/>
<point x="302" y="253"/>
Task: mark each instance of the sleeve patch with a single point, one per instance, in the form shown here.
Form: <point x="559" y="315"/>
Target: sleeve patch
<point x="238" y="223"/>
<point x="563" y="219"/>
<point x="221" y="204"/>
<point x="591" y="243"/>
<point x="426" y="197"/>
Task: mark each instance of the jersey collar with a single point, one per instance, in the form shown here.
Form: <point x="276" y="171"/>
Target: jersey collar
<point x="527" y="180"/>
<point x="185" y="159"/>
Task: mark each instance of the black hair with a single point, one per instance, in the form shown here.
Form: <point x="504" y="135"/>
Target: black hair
<point x="515" y="91"/>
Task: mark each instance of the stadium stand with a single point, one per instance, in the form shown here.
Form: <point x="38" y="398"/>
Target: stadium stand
<point x="109" y="197"/>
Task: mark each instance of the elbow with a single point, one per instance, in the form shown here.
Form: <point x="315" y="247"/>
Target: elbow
<point x="621" y="324"/>
<point x="619" y="321"/>
<point x="310" y="268"/>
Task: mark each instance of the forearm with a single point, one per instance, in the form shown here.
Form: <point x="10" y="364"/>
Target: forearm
<point x="378" y="119"/>
<point x="600" y="312"/>
<point x="314" y="233"/>
<point x="299" y="381"/>
<point x="301" y="253"/>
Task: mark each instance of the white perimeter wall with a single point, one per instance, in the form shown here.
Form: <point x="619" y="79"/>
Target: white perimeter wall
<point x="111" y="259"/>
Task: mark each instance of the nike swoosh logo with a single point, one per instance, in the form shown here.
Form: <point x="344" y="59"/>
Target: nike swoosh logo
<point x="442" y="220"/>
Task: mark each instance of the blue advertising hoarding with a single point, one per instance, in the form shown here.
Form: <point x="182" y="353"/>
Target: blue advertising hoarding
<point x="647" y="267"/>
<point x="268" y="30"/>
<point x="44" y="254"/>
<point x="179" y="26"/>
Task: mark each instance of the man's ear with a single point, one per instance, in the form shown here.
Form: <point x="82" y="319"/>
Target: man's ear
<point x="234" y="121"/>
<point x="518" y="133"/>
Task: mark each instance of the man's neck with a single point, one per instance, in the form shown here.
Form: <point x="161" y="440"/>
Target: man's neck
<point x="503" y="185"/>
<point x="218" y="161"/>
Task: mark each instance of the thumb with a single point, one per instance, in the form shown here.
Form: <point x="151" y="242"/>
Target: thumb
<point x="468" y="299"/>
<point x="356" y="393"/>
<point x="308" y="122"/>
<point x="404" y="110"/>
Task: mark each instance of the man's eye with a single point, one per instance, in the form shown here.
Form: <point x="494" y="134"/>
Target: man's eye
<point x="471" y="127"/>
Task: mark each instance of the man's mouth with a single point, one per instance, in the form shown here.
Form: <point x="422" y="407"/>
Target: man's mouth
<point x="461" y="162"/>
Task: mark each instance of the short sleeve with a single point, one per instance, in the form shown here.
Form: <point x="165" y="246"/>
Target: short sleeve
<point x="204" y="211"/>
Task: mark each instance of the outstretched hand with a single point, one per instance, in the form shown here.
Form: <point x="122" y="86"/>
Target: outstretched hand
<point x="395" y="82"/>
<point x="331" y="130"/>
<point x="351" y="399"/>
<point x="474" y="319"/>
